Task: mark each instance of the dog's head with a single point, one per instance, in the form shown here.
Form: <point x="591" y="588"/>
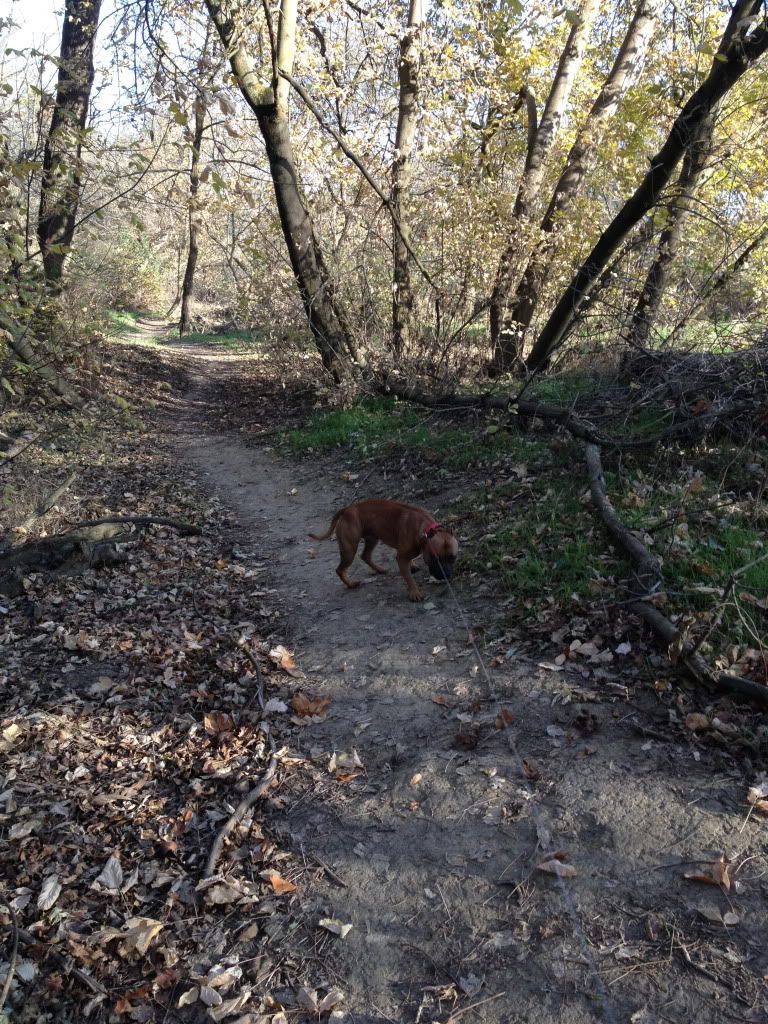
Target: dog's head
<point x="441" y="550"/>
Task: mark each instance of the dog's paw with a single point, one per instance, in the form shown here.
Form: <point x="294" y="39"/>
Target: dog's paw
<point x="415" y="595"/>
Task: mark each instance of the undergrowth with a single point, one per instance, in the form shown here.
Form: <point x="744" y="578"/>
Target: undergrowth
<point x="530" y="526"/>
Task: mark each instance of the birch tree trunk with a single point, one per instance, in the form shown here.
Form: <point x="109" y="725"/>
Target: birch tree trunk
<point x="740" y="48"/>
<point x="578" y="164"/>
<point x="62" y="167"/>
<point x="269" y="102"/>
<point x="540" y="140"/>
<point x="402" y="289"/>
<point x="651" y="294"/>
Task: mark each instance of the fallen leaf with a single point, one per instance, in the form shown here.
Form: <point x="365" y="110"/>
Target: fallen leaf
<point x="720" y="873"/>
<point x="341" y="760"/>
<point x="218" y="722"/>
<point x="696" y="722"/>
<point x="210" y="996"/>
<point x="556" y="867"/>
<point x="306" y="999"/>
<point x="189" y="997"/>
<point x="230" y="1006"/>
<point x="336" y="927"/>
<point x="470" y="985"/>
<point x="757" y="795"/>
<point x="111" y="876"/>
<point x="275" y="706"/>
<point x="49" y="893"/>
<point x="279" y="884"/>
<point x="332" y="998"/>
<point x="710" y="913"/>
<point x="283" y="658"/>
<point x="304" y="705"/>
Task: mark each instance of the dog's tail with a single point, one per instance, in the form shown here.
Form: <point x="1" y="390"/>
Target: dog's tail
<point x="331" y="528"/>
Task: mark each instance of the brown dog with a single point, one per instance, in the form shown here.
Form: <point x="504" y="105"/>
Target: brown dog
<point x="409" y="530"/>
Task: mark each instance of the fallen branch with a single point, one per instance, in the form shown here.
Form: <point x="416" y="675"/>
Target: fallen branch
<point x="47" y="503"/>
<point x="59" y="555"/>
<point x="184" y="528"/>
<point x="19" y="445"/>
<point x="239" y="813"/>
<point x="11" y="959"/>
<point x="26" y="939"/>
<point x="85" y="545"/>
<point x="693" y="429"/>
<point x="698" y="668"/>
<point x="650" y="576"/>
<point x="16" y="337"/>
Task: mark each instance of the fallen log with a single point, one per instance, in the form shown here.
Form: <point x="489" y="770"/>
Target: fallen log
<point x="87" y="545"/>
<point x="650" y="576"/>
<point x="695" y="428"/>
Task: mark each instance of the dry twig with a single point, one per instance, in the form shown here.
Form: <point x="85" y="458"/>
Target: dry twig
<point x="239" y="813"/>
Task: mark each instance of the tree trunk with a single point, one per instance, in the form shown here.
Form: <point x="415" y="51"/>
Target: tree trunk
<point x="402" y="289"/>
<point x="269" y="102"/>
<point x="540" y="140"/>
<point x="722" y="277"/>
<point x="651" y="294"/>
<point x="738" y="51"/>
<point x="62" y="167"/>
<point x="579" y="162"/>
<point x="194" y="216"/>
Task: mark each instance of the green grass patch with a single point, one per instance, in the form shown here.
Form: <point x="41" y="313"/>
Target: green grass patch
<point x="542" y="543"/>
<point x="123" y="322"/>
<point x="235" y="340"/>
<point x="538" y="540"/>
<point x="560" y="390"/>
<point x="387" y="428"/>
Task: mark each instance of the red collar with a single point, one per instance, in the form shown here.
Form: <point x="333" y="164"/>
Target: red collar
<point x="429" y="532"/>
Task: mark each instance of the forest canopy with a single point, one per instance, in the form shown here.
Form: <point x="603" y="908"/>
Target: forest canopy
<point x="470" y="187"/>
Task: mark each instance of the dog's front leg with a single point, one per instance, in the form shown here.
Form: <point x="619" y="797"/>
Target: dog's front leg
<point x="405" y="571"/>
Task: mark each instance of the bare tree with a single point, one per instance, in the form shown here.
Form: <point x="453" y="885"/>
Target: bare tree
<point x="518" y="318"/>
<point x="540" y="140"/>
<point x="194" y="215"/>
<point x="402" y="289"/>
<point x="269" y="102"/>
<point x="652" y="292"/>
<point x="742" y="44"/>
<point x="62" y="167"/>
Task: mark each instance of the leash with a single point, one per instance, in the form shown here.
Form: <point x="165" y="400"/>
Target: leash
<point x="606" y="1006"/>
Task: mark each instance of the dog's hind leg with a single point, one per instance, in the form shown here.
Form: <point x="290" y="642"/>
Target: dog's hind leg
<point x="347" y="550"/>
<point x="367" y="555"/>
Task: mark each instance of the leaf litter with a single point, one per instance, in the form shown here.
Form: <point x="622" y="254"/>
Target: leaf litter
<point x="130" y="728"/>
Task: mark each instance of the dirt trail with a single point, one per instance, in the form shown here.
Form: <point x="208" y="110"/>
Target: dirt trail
<point x="435" y="842"/>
